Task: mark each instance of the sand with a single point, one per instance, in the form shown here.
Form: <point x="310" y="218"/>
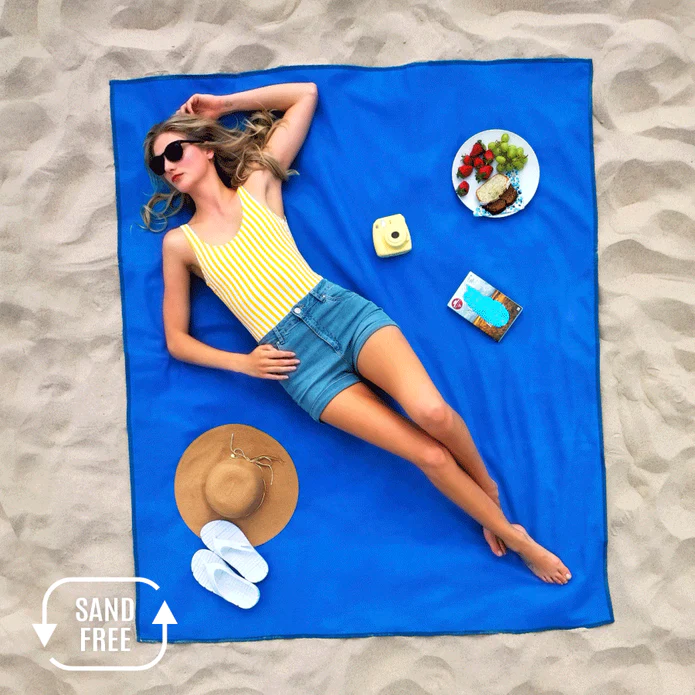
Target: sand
<point x="64" y="486"/>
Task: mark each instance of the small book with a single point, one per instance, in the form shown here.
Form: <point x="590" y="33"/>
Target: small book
<point x="484" y="306"/>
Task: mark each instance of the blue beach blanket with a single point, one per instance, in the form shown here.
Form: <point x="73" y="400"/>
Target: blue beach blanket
<point x="373" y="547"/>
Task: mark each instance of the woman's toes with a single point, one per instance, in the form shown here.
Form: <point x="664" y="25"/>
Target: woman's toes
<point x="493" y="542"/>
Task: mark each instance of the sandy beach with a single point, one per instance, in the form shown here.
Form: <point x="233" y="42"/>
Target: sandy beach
<point x="64" y="487"/>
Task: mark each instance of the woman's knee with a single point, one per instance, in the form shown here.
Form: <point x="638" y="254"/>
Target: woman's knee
<point x="435" y="458"/>
<point x="433" y="414"/>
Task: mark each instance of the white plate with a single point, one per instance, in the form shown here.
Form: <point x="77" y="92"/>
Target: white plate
<point x="525" y="181"/>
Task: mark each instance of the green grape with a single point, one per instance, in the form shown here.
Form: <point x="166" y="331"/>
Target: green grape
<point x="517" y="164"/>
<point x="501" y="159"/>
<point x="512" y="151"/>
<point x="505" y="137"/>
<point x="502" y="167"/>
<point x="520" y="150"/>
<point x="491" y="145"/>
<point x="504" y="147"/>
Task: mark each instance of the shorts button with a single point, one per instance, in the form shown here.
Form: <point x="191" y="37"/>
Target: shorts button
<point x="323" y="296"/>
<point x="297" y="310"/>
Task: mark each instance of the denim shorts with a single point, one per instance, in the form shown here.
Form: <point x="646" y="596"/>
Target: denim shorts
<point x="326" y="330"/>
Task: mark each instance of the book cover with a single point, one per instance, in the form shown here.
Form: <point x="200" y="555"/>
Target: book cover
<point x="485" y="306"/>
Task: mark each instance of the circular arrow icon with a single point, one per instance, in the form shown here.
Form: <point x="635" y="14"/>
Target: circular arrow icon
<point x="44" y="629"/>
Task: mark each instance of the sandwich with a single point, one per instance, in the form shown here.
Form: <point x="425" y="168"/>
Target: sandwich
<point x="496" y="194"/>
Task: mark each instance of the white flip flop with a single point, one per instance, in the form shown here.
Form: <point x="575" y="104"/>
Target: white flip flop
<point x="211" y="573"/>
<point x="229" y="542"/>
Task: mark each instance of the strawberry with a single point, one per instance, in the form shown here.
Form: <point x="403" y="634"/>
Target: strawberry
<point x="483" y="173"/>
<point x="464" y="171"/>
<point x="489" y="156"/>
<point x="468" y="160"/>
<point x="462" y="188"/>
<point x="477" y="149"/>
<point x="478" y="162"/>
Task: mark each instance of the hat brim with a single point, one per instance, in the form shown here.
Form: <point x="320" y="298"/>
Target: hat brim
<point x="213" y="446"/>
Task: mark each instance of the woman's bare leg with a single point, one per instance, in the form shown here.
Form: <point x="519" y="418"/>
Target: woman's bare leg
<point x="388" y="360"/>
<point x="359" y="411"/>
<point x="449" y="428"/>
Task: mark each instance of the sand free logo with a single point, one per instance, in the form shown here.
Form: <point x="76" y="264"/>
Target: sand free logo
<point x="96" y="609"/>
<point x="91" y="610"/>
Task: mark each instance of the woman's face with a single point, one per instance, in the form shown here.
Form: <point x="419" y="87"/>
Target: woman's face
<point x="189" y="168"/>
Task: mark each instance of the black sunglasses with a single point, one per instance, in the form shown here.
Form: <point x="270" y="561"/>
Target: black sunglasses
<point x="173" y="152"/>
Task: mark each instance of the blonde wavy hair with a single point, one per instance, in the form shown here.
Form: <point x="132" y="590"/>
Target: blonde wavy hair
<point x="235" y="149"/>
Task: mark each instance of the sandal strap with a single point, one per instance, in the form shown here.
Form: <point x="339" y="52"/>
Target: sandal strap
<point x="222" y="544"/>
<point x="212" y="569"/>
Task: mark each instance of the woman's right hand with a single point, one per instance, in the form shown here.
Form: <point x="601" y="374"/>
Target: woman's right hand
<point x="206" y="105"/>
<point x="267" y="362"/>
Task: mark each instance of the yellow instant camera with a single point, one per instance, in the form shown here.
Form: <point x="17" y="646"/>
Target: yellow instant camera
<point x="391" y="236"/>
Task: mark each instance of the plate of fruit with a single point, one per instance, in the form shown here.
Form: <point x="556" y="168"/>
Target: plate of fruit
<point x="495" y="173"/>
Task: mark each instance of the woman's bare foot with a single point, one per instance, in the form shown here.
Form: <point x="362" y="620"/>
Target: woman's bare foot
<point x="495" y="542"/>
<point x="540" y="561"/>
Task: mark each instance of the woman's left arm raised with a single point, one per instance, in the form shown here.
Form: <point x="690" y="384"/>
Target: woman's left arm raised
<point x="274" y="96"/>
<point x="298" y="100"/>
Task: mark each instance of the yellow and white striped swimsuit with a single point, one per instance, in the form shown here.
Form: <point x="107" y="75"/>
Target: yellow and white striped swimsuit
<point x="260" y="274"/>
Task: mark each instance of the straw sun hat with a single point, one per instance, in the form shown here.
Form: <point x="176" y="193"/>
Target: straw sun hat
<point x="240" y="474"/>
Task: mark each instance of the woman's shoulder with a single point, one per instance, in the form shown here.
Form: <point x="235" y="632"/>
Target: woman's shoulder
<point x="176" y="246"/>
<point x="175" y="242"/>
<point x="174" y="238"/>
